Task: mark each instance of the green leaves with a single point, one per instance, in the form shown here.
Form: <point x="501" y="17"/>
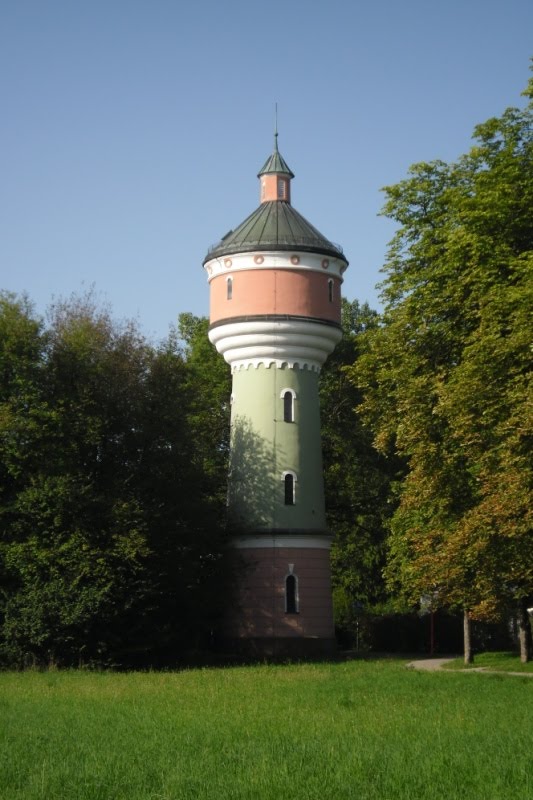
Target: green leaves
<point x="110" y="542"/>
<point x="445" y="377"/>
<point x="357" y="478"/>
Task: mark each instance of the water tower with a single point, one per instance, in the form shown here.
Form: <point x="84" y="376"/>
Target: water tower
<point x="275" y="315"/>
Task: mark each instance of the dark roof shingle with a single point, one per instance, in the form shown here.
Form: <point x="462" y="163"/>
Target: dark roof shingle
<point x="275" y="225"/>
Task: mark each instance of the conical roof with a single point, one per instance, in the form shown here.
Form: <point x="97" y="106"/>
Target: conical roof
<point x="275" y="225"/>
<point x="275" y="163"/>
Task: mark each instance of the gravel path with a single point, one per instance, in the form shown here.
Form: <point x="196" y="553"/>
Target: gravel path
<point x="430" y="664"/>
<point x="435" y="664"/>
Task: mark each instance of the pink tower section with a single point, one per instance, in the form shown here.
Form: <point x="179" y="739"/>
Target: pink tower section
<point x="273" y="290"/>
<point x="261" y="619"/>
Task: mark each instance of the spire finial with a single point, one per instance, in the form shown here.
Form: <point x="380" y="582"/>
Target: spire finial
<point x="276" y="164"/>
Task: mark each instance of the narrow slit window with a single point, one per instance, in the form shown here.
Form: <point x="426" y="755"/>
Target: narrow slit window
<point x="229" y="288"/>
<point x="291" y="595"/>
<point x="330" y="290"/>
<point x="289" y="489"/>
<point x="288" y="407"/>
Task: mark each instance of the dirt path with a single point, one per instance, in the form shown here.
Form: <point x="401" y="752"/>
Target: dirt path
<point x="435" y="664"/>
<point x="430" y="664"/>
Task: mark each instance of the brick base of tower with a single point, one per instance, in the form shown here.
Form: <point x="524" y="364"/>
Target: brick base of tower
<point x="262" y="624"/>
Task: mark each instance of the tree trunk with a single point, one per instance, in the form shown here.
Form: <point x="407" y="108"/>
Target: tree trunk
<point x="467" y="637"/>
<point x="524" y="632"/>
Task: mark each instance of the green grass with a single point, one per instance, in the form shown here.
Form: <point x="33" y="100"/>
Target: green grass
<point x="504" y="662"/>
<point x="365" y="730"/>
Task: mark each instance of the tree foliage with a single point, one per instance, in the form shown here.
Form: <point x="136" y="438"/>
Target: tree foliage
<point x="357" y="477"/>
<point x="209" y="390"/>
<point x="110" y="545"/>
<point x="446" y="374"/>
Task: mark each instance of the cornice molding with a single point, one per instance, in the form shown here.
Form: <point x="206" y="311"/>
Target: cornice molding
<point x="271" y="259"/>
<point x="275" y="342"/>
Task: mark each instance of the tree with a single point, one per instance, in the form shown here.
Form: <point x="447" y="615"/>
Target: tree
<point x="357" y="478"/>
<point x="110" y="544"/>
<point x="209" y="391"/>
<point x="446" y="374"/>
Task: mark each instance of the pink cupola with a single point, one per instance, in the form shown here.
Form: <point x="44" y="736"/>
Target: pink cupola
<point x="275" y="178"/>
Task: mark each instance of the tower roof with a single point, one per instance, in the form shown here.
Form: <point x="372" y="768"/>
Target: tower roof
<point x="275" y="164"/>
<point x="275" y="226"/>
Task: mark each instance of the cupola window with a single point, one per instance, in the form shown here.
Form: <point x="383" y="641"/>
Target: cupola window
<point x="330" y="290"/>
<point x="282" y="189"/>
<point x="229" y="288"/>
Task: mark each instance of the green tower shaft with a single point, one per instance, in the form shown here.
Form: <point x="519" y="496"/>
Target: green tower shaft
<point x="275" y="478"/>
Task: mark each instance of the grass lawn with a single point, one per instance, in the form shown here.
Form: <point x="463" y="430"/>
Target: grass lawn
<point x="506" y="662"/>
<point x="367" y="730"/>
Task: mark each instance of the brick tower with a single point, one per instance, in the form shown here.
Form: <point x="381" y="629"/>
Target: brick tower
<point x="275" y="309"/>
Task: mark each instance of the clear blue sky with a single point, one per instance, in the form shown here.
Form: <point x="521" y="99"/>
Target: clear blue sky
<point x="132" y="131"/>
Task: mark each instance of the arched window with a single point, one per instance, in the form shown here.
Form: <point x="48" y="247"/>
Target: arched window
<point x="288" y="396"/>
<point x="289" y="480"/>
<point x="330" y="290"/>
<point x="229" y="288"/>
<point x="291" y="594"/>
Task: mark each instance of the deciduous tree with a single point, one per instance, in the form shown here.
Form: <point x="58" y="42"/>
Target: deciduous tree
<point x="357" y="477"/>
<point x="446" y="375"/>
<point x="110" y="548"/>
